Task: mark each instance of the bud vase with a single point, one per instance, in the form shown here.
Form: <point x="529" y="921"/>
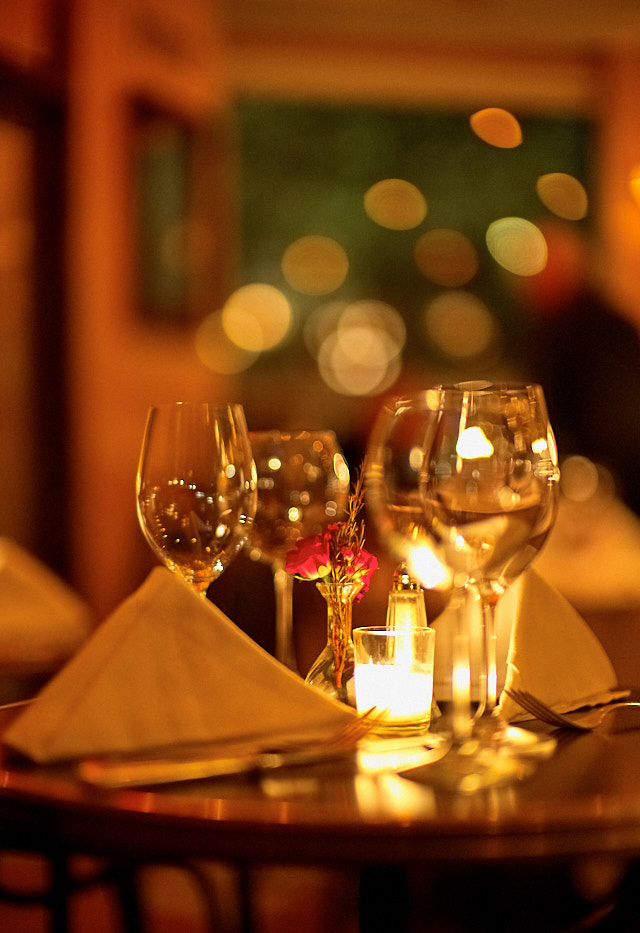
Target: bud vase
<point x="332" y="671"/>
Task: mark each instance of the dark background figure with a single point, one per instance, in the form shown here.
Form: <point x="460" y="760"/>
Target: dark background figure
<point x="587" y="358"/>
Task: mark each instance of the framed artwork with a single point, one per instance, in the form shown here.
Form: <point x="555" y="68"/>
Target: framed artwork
<point x="180" y="212"/>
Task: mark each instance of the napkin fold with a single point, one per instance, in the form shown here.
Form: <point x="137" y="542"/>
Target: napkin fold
<point x="554" y="654"/>
<point x="169" y="669"/>
<point x="42" y="621"/>
<point x="542" y="645"/>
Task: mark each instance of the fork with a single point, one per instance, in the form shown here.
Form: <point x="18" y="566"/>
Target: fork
<point x="118" y="772"/>
<point x="582" y="722"/>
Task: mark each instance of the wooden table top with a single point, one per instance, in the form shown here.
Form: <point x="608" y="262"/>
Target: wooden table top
<point x="583" y="800"/>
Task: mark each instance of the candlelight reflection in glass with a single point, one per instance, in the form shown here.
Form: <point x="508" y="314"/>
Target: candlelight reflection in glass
<point x="394" y="673"/>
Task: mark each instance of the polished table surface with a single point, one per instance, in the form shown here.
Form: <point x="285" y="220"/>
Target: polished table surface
<point x="583" y="800"/>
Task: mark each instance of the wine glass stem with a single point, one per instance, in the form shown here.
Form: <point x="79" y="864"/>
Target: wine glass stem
<point x="489" y="676"/>
<point x="283" y="588"/>
<point x="461" y="672"/>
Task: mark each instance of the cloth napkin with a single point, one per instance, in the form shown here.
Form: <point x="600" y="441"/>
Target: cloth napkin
<point x="42" y="621"/>
<point x="169" y="669"/>
<point x="543" y="646"/>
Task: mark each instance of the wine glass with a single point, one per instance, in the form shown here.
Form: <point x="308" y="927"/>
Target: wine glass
<point x="196" y="487"/>
<point x="464" y="478"/>
<point x="303" y="486"/>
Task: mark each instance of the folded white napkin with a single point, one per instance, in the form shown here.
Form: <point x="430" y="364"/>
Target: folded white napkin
<point x="543" y="646"/>
<point x="169" y="668"/>
<point x="42" y="621"/>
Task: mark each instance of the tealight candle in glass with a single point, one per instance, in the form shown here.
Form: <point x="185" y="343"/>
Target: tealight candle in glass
<point x="394" y="674"/>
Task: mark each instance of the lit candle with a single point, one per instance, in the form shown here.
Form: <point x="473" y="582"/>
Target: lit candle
<point x="394" y="673"/>
<point x="404" y="694"/>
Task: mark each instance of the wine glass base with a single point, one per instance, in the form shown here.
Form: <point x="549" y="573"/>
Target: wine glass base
<point x="481" y="763"/>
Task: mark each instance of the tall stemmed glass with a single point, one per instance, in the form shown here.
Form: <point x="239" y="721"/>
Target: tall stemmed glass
<point x="196" y="488"/>
<point x="303" y="486"/>
<point x="463" y="479"/>
<point x="489" y="486"/>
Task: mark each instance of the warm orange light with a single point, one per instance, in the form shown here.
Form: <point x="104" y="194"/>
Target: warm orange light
<point x="634" y="183"/>
<point x="396" y="204"/>
<point x="563" y="195"/>
<point x="497" y="127"/>
<point x="517" y="245"/>
<point x="315" y="265"/>
<point x="256" y="317"/>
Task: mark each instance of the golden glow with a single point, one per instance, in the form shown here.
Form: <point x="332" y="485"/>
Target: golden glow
<point x="460" y="324"/>
<point x="517" y="245"/>
<point x="216" y="351"/>
<point x="315" y="265"/>
<point x="497" y="127"/>
<point x="361" y="365"/>
<point x="256" y="317"/>
<point x="373" y="317"/>
<point x="634" y="183"/>
<point x="425" y="567"/>
<point x="357" y="346"/>
<point x="473" y="444"/>
<point x="563" y="195"/>
<point x="540" y="445"/>
<point x="321" y="323"/>
<point x="580" y="479"/>
<point x="395" y="204"/>
<point x="416" y="457"/>
<point x="274" y="463"/>
<point x="446" y="257"/>
<point x="340" y="468"/>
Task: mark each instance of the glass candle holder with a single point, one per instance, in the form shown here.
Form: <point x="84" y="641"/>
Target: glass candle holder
<point x="394" y="674"/>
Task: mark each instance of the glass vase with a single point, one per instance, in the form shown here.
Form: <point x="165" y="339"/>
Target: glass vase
<point x="332" y="671"/>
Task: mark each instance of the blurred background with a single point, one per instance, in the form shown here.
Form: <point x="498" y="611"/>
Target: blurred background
<point x="307" y="207"/>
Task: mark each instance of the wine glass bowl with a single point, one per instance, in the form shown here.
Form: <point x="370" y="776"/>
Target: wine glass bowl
<point x="303" y="486"/>
<point x="303" y="483"/>
<point x="196" y="488"/>
<point x="489" y="480"/>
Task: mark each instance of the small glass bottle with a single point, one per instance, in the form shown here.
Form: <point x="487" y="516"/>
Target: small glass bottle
<point x="406" y="606"/>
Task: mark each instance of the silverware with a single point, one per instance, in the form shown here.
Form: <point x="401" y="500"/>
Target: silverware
<point x="580" y="721"/>
<point x="112" y="772"/>
<point x="15" y="704"/>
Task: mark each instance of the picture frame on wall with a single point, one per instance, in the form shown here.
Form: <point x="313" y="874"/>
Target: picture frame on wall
<point x="182" y="245"/>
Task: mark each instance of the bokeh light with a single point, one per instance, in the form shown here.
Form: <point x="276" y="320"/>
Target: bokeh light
<point x="396" y="204"/>
<point x="216" y="351"/>
<point x="497" y="127"/>
<point x="634" y="183"/>
<point x="362" y="365"/>
<point x="373" y="317"/>
<point x="357" y="346"/>
<point x="517" y="245"/>
<point x="460" y="325"/>
<point x="446" y="257"/>
<point x="256" y="317"/>
<point x="315" y="265"/>
<point x="563" y="195"/>
<point x="321" y="323"/>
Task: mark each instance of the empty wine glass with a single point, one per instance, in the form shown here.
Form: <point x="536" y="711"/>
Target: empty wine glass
<point x="196" y="487"/>
<point x="303" y="486"/>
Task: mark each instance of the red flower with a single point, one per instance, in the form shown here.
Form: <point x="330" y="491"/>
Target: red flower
<point x="337" y="553"/>
<point x="309" y="558"/>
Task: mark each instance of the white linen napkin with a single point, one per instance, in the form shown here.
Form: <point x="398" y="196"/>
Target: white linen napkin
<point x="42" y="621"/>
<point x="543" y="646"/>
<point x="168" y="668"/>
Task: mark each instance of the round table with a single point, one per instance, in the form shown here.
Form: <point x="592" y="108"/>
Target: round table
<point x="581" y="803"/>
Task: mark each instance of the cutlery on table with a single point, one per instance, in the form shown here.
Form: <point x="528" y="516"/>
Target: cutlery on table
<point x="115" y="772"/>
<point x="583" y="721"/>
